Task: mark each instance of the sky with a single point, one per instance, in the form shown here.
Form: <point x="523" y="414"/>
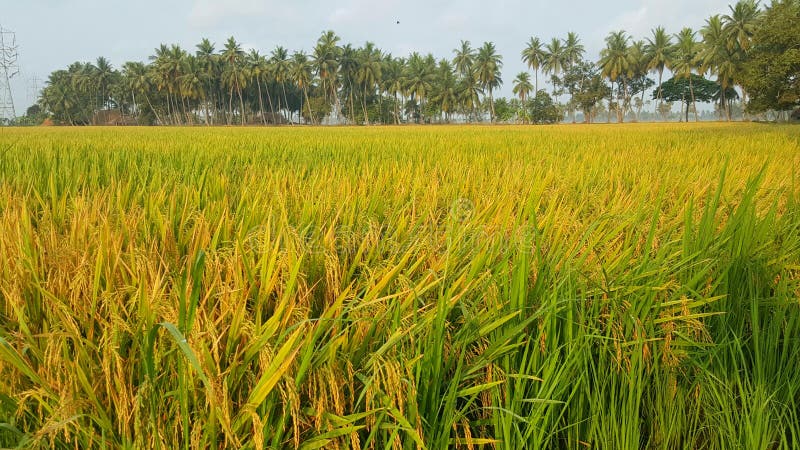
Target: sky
<point x="51" y="34"/>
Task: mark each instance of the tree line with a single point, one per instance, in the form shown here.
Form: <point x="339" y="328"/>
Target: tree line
<point x="746" y="57"/>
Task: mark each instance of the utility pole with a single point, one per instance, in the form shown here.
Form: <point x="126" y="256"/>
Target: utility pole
<point x="8" y="69"/>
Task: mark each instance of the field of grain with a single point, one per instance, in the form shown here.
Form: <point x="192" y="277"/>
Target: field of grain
<point x="567" y="287"/>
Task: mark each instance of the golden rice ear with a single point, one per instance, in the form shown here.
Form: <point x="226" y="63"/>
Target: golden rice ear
<point x="416" y="287"/>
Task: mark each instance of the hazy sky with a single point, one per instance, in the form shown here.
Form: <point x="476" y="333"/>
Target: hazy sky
<point x="54" y="33"/>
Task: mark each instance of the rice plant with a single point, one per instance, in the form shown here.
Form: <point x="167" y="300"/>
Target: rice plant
<point x="621" y="287"/>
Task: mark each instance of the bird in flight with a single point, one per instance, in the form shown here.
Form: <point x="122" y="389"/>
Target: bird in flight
<point x="398" y="22"/>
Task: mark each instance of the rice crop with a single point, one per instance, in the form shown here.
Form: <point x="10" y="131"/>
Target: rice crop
<point x="567" y="287"/>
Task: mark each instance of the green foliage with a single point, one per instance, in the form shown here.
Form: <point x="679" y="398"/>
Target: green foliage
<point x="689" y="89"/>
<point x="34" y="116"/>
<point x="772" y="72"/>
<point x="316" y="109"/>
<point x="541" y="109"/>
<point x="586" y="87"/>
<point x="505" y="110"/>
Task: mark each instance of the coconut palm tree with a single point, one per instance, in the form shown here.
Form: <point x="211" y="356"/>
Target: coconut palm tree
<point x="393" y="81"/>
<point x="234" y="74"/>
<point x="208" y="61"/>
<point x="280" y="73"/>
<point x="258" y="69"/>
<point x="573" y="49"/>
<point x="419" y="80"/>
<point x="103" y="75"/>
<point x="637" y="55"/>
<point x="573" y="53"/>
<point x="158" y="76"/>
<point x="522" y="86"/>
<point x="78" y="84"/>
<point x="464" y="58"/>
<point x="554" y="60"/>
<point x="348" y="68"/>
<point x="615" y="64"/>
<point x="488" y="64"/>
<point x="739" y="26"/>
<point x="716" y="56"/>
<point x="534" y="56"/>
<point x="445" y="90"/>
<point x="193" y="82"/>
<point x="167" y="70"/>
<point x="686" y="61"/>
<point x="326" y="65"/>
<point x="300" y="72"/>
<point x="82" y="80"/>
<point x="469" y="94"/>
<point x="136" y="78"/>
<point x="368" y="74"/>
<point x="57" y="96"/>
<point x="658" y="52"/>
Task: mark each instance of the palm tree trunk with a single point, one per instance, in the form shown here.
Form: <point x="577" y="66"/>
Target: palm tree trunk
<point x="572" y="111"/>
<point x="352" y="106"/>
<point x="685" y="102"/>
<point x="172" y="106"/>
<point x="271" y="107"/>
<point x="472" y="113"/>
<point x="694" y="105"/>
<point x="728" y="104"/>
<point x="158" y="119"/>
<point x="170" y="109"/>
<point x="209" y="99"/>
<point x="185" y="111"/>
<point x="280" y="102"/>
<point x="286" y="102"/>
<point x="364" y="103"/>
<point x="743" y="101"/>
<point x="208" y="113"/>
<point x="168" y="117"/>
<point x="337" y="104"/>
<point x="261" y="101"/>
<point x="491" y="106"/>
<point x="639" y="109"/>
<point x="660" y="94"/>
<point x="230" y="106"/>
<point x="380" y="107"/>
<point x="725" y="107"/>
<point x="241" y="102"/>
<point x="176" y="110"/>
<point x="308" y="106"/>
<point x="135" y="109"/>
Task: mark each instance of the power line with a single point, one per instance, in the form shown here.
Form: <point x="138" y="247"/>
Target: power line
<point x="9" y="54"/>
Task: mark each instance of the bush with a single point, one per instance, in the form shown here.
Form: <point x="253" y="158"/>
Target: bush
<point x="541" y="109"/>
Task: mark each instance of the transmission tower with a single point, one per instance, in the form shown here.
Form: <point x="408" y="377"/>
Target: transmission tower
<point x="34" y="88"/>
<point x="8" y="69"/>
